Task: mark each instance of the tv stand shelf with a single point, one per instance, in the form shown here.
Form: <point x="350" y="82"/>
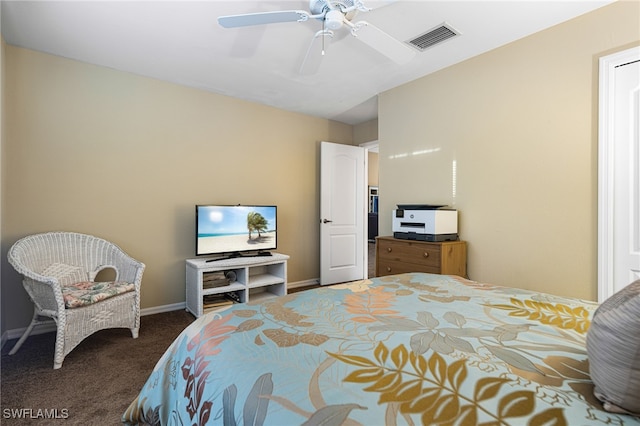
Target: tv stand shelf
<point x="255" y="278"/>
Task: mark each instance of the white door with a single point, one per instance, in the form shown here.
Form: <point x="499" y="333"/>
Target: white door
<point x="619" y="172"/>
<point x="627" y="176"/>
<point x="342" y="213"/>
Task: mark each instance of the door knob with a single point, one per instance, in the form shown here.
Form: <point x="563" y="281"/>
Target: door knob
<point x="326" y="221"/>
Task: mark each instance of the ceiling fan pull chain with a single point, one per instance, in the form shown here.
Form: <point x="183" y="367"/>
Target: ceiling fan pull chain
<point x="323" y="32"/>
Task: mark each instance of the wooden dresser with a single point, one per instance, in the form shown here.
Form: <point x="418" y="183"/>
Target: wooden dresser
<point x="396" y="256"/>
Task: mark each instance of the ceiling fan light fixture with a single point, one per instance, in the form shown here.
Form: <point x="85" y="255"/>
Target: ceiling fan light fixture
<point x="334" y="19"/>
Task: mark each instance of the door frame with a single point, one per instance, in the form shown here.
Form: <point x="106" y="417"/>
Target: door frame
<point x="607" y="65"/>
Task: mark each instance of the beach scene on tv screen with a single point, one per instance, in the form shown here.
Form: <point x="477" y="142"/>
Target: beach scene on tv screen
<point x="225" y="229"/>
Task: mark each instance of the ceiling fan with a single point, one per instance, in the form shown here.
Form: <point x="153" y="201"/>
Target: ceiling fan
<point x="334" y="15"/>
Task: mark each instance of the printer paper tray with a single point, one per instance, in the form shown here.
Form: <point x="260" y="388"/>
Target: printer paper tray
<point x="425" y="237"/>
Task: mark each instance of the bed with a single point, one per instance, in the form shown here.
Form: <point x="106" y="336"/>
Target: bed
<point x="403" y="349"/>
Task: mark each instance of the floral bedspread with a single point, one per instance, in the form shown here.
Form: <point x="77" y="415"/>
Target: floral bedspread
<point x="404" y="349"/>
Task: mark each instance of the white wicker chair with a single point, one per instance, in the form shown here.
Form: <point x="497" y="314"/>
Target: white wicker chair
<point x="52" y="260"/>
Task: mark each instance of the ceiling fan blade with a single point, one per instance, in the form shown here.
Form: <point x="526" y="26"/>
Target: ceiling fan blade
<point x="248" y="19"/>
<point x="382" y="42"/>
<point x="316" y="52"/>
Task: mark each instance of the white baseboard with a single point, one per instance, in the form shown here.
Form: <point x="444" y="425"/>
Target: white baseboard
<point x="305" y="283"/>
<point x="47" y="327"/>
<point x="50" y="327"/>
<point x="163" y="308"/>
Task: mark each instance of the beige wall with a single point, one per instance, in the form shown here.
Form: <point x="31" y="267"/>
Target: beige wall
<point x="365" y="132"/>
<point x="373" y="168"/>
<point x="124" y="157"/>
<point x="510" y="139"/>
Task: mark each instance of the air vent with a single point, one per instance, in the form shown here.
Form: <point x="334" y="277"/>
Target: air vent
<point x="432" y="37"/>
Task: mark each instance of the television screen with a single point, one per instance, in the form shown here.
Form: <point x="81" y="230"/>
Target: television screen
<point x="233" y="230"/>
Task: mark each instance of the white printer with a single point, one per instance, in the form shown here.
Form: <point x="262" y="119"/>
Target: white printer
<point x="425" y="222"/>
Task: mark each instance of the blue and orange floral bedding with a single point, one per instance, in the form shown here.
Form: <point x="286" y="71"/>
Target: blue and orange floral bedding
<point x="406" y="349"/>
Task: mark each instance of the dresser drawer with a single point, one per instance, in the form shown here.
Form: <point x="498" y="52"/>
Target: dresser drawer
<point x="397" y="256"/>
<point x="391" y="267"/>
<point x="410" y="252"/>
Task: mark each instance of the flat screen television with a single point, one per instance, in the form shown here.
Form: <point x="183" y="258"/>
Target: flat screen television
<point x="233" y="231"/>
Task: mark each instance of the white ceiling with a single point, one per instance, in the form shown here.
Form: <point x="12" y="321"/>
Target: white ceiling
<point x="181" y="42"/>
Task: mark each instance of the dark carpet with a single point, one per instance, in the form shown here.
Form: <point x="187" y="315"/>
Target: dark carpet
<point x="97" y="381"/>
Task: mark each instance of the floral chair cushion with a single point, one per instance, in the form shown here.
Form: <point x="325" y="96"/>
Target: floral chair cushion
<point x="88" y="292"/>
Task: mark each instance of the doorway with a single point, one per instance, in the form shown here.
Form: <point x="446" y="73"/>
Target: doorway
<point x="372" y="195"/>
<point x="618" y="171"/>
